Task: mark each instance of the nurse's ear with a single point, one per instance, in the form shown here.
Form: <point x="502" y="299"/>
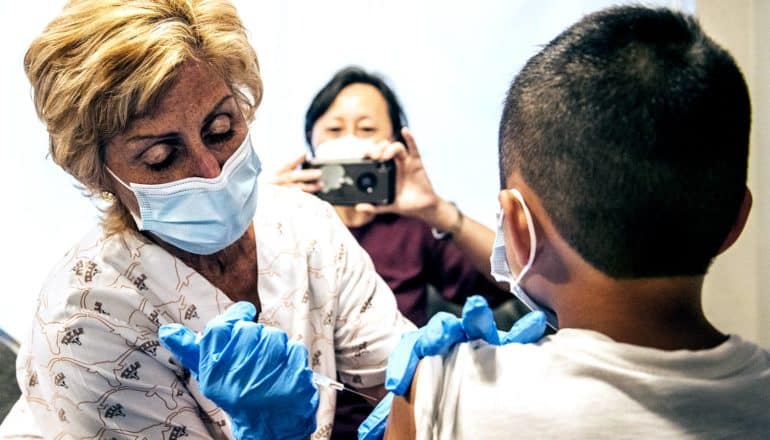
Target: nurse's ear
<point x="515" y="230"/>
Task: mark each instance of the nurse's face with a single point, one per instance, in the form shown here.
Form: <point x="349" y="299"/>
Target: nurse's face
<point x="195" y="128"/>
<point x="359" y="110"/>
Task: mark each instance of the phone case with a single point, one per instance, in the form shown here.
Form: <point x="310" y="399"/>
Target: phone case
<point x="356" y="181"/>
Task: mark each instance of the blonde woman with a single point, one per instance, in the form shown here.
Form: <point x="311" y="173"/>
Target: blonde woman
<point x="147" y="103"/>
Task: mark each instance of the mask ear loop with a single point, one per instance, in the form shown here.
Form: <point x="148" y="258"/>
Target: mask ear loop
<point x="532" y="237"/>
<point x="127" y="186"/>
<point x="137" y="218"/>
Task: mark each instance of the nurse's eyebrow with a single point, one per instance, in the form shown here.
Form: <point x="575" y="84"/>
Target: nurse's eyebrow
<point x="206" y="120"/>
<point x="142" y="137"/>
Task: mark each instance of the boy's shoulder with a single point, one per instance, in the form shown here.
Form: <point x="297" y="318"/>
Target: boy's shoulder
<point x="578" y="349"/>
<point x="613" y="385"/>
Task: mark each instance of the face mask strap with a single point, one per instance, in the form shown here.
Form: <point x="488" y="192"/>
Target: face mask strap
<point x="137" y="218"/>
<point x="118" y="178"/>
<point x="532" y="237"/>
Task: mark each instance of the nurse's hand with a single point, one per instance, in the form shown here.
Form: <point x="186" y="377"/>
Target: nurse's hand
<point x="258" y="377"/>
<point x="441" y="333"/>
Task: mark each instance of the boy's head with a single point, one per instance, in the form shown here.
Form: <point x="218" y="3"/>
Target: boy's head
<point x="632" y="127"/>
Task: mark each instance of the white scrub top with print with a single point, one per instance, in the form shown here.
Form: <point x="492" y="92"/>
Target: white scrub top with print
<point x="92" y="366"/>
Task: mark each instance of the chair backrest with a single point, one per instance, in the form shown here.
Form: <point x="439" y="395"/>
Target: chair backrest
<point x="9" y="389"/>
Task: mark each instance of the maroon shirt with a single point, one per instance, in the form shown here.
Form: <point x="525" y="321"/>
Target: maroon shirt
<point x="409" y="258"/>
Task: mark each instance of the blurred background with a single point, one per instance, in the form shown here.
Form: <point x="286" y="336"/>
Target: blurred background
<point x="450" y="62"/>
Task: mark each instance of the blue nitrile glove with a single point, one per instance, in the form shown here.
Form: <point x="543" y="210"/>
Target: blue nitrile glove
<point x="479" y="323"/>
<point x="441" y="333"/>
<point x="258" y="377"/>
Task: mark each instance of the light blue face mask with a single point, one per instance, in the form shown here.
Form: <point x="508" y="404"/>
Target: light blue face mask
<point x="199" y="215"/>
<point x="501" y="272"/>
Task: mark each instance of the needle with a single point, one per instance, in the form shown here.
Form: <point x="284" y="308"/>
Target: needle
<point x="326" y="381"/>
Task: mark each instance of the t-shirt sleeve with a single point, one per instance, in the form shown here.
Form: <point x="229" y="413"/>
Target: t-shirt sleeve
<point x="429" y="397"/>
<point x="92" y="376"/>
<point x="440" y="407"/>
<point x="368" y="324"/>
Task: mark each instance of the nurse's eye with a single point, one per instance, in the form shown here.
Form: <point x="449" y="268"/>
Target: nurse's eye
<point x="368" y="129"/>
<point x="219" y="130"/>
<point x="159" y="156"/>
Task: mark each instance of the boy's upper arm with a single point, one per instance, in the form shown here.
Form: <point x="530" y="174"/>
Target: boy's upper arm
<point x="401" y="419"/>
<point x="431" y="401"/>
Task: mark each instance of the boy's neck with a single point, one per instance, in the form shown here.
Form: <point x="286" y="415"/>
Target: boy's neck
<point x="663" y="313"/>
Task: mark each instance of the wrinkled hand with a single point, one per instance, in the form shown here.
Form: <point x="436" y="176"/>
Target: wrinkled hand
<point x="258" y="377"/>
<point x="415" y="196"/>
<point x="442" y="332"/>
<point x="308" y="180"/>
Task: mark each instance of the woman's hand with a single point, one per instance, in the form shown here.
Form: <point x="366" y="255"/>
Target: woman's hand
<point x="415" y="196"/>
<point x="308" y="180"/>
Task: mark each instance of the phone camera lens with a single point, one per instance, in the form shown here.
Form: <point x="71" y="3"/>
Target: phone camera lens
<point x="366" y="182"/>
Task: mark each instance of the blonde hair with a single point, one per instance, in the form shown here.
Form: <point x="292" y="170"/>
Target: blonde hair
<point x="102" y="63"/>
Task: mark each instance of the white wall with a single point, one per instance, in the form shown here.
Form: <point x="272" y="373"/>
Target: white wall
<point x="449" y="62"/>
<point x="42" y="213"/>
<point x="737" y="289"/>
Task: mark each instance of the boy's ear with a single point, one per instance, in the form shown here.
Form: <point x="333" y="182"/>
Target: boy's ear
<point x="517" y="241"/>
<point x="740" y="222"/>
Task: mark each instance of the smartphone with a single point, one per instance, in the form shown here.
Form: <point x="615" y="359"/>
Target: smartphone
<point x="348" y="182"/>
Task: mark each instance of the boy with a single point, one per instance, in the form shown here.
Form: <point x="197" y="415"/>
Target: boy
<point x="623" y="156"/>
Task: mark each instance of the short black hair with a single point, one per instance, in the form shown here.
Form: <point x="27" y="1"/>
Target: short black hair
<point x="343" y="78"/>
<point x="632" y="127"/>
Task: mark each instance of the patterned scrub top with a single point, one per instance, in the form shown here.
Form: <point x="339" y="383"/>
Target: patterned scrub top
<point x="92" y="366"/>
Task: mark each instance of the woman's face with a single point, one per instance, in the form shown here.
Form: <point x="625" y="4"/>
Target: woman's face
<point x="359" y="110"/>
<point x="197" y="125"/>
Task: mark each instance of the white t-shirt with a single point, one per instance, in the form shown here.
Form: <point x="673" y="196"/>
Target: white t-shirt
<point x="579" y="384"/>
<point x="92" y="366"/>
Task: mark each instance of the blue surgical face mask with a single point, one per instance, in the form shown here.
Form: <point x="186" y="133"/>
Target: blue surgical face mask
<point x="199" y="215"/>
<point x="498" y="261"/>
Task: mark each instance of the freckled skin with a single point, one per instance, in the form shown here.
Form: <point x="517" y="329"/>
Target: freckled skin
<point x="195" y="128"/>
<point x="181" y="110"/>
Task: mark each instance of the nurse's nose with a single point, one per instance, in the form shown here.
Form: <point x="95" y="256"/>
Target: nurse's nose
<point x="205" y="162"/>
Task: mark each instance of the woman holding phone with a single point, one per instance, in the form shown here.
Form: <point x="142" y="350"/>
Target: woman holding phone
<point x="419" y="240"/>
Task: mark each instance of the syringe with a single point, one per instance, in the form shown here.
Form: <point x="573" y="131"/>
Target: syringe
<point x="321" y="380"/>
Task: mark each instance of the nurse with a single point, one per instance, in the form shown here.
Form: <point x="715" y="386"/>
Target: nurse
<point x="148" y="104"/>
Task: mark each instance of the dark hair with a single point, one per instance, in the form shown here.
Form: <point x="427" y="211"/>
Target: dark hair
<point x="632" y="126"/>
<point x="343" y="78"/>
